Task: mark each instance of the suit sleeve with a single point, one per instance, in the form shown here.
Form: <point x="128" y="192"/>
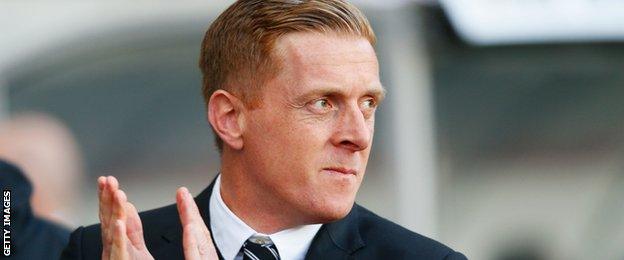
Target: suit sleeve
<point x="74" y="247"/>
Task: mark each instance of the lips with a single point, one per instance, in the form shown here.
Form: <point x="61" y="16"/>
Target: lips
<point x="341" y="170"/>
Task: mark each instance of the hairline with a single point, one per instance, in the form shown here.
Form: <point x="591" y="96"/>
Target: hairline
<point x="276" y="57"/>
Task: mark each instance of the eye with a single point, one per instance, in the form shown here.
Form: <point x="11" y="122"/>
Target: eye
<point x="369" y="104"/>
<point x="321" y="105"/>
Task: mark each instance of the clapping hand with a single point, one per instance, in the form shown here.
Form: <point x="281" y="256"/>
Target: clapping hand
<point x="122" y="231"/>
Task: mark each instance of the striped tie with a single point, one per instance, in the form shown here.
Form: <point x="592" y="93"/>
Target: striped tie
<point x="259" y="248"/>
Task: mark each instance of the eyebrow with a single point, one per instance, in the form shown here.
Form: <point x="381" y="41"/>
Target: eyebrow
<point x="379" y="93"/>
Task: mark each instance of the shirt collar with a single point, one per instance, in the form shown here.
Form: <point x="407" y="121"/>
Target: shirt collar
<point x="230" y="232"/>
<point x="294" y="243"/>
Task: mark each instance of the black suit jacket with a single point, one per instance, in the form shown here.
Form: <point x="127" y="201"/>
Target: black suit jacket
<point x="360" y="235"/>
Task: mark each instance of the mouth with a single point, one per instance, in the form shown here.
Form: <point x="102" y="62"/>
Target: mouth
<point x="341" y="170"/>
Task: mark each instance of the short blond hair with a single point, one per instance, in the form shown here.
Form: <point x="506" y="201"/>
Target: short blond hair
<point x="237" y="50"/>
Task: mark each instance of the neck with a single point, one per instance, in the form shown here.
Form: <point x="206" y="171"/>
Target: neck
<point x="250" y="201"/>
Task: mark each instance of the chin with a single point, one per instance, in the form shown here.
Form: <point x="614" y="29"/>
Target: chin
<point x="330" y="212"/>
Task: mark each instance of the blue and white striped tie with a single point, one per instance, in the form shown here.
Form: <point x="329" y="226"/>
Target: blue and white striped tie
<point x="259" y="248"/>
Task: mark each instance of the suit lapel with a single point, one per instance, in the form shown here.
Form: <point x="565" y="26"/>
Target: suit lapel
<point x="172" y="237"/>
<point x="337" y="240"/>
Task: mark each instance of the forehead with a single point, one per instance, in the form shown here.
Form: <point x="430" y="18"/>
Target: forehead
<point x="309" y="58"/>
<point x="320" y="48"/>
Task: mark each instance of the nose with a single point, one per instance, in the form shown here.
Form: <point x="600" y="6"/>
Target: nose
<point x="352" y="131"/>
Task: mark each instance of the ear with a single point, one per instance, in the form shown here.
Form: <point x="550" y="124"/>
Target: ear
<point x="224" y="114"/>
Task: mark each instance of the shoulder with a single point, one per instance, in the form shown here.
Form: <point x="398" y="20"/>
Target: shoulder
<point x="86" y="242"/>
<point x="386" y="238"/>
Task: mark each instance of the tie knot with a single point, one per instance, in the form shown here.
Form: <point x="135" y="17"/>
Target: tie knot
<point x="260" y="248"/>
<point x="260" y="240"/>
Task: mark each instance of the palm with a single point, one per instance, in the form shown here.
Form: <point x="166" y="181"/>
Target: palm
<point x="125" y="246"/>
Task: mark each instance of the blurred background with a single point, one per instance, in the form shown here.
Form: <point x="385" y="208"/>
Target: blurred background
<point x="502" y="134"/>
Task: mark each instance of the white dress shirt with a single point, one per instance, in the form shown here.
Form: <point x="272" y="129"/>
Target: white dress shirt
<point x="230" y="232"/>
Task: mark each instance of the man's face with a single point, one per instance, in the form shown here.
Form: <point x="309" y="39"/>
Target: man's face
<point x="310" y="139"/>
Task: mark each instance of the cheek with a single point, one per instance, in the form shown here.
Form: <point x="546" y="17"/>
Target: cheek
<point x="288" y="141"/>
<point x="295" y="132"/>
<point x="371" y="125"/>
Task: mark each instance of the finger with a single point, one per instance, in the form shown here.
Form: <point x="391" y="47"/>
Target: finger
<point x="189" y="243"/>
<point x="195" y="230"/>
<point x="101" y="182"/>
<point x="112" y="186"/>
<point x="119" y="248"/>
<point x="106" y="205"/>
<point x="189" y="213"/>
<point x="119" y="205"/>
<point x="204" y="243"/>
<point x="202" y="234"/>
<point x="103" y="210"/>
<point x="117" y="211"/>
<point x="134" y="227"/>
<point x="196" y="216"/>
<point x="103" y="198"/>
<point x="108" y="197"/>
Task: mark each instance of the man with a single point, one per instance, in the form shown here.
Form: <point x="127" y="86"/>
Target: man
<point x="291" y="89"/>
<point x="31" y="236"/>
<point x="45" y="150"/>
